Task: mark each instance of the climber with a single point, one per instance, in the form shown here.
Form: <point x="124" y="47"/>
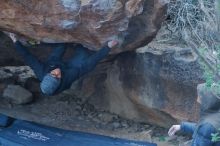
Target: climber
<point x="57" y="75"/>
<point x="209" y="121"/>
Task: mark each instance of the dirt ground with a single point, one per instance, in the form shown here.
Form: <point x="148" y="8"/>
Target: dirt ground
<point x="70" y="112"/>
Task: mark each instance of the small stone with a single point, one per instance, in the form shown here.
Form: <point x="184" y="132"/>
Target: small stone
<point x="96" y="120"/>
<point x="145" y="135"/>
<point x="100" y="115"/>
<point x="80" y="118"/>
<point x="17" y="94"/>
<point x="116" y="125"/>
<point x="90" y="116"/>
<point x="77" y="107"/>
<point x="124" y="125"/>
<point x="106" y="117"/>
<point x="146" y="126"/>
<point x="97" y="126"/>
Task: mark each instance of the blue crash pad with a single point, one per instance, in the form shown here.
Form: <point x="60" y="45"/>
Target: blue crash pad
<point x="5" y="120"/>
<point x="22" y="133"/>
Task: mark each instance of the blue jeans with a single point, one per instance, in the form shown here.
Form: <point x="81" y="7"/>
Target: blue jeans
<point x="57" y="52"/>
<point x="80" y="55"/>
<point x="203" y="136"/>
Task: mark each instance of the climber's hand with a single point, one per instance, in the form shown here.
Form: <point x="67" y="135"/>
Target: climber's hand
<point x="112" y="43"/>
<point x="173" y="130"/>
<point x="13" y="37"/>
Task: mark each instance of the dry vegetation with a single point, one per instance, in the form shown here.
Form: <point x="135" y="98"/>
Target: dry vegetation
<point x="195" y="23"/>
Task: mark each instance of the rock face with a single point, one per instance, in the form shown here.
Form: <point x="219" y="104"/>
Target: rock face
<point x="89" y="22"/>
<point x="158" y="87"/>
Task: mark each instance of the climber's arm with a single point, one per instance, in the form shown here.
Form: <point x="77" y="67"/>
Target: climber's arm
<point x="93" y="60"/>
<point x="30" y="60"/>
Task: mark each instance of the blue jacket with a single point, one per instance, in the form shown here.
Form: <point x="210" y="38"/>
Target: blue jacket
<point x="201" y="133"/>
<point x="70" y="72"/>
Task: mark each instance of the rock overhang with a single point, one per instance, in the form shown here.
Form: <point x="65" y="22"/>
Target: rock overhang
<point x="89" y="22"/>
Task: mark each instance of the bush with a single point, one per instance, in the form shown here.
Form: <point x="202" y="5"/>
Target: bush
<point x="195" y="23"/>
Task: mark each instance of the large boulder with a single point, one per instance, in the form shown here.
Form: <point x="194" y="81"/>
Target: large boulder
<point x="157" y="84"/>
<point x="150" y="86"/>
<point x="89" y="22"/>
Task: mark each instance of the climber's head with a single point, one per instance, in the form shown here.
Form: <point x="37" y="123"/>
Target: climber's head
<point x="51" y="82"/>
<point x="208" y="99"/>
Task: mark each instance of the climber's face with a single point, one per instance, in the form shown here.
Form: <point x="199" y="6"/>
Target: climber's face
<point x="56" y="73"/>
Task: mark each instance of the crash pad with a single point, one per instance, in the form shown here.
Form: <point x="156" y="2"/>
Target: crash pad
<point x="23" y="133"/>
<point x="5" y="120"/>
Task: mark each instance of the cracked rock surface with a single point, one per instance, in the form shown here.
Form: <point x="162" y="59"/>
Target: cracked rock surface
<point x="89" y="22"/>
